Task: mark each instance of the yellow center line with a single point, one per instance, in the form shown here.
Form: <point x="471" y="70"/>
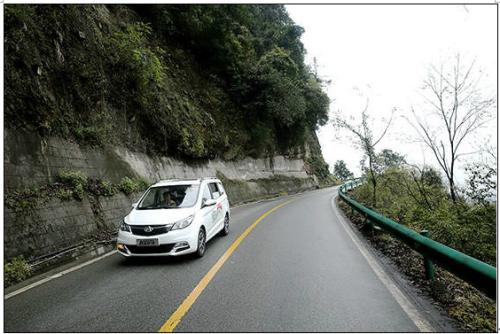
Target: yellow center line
<point x="176" y="317"/>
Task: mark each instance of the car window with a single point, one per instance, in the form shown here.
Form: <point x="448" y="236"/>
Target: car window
<point x="214" y="190"/>
<point x="169" y="197"/>
<point x="221" y="188"/>
<point x="148" y="200"/>
<point x="206" y="193"/>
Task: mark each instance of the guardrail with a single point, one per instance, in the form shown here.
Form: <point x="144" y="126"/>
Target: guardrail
<point x="479" y="274"/>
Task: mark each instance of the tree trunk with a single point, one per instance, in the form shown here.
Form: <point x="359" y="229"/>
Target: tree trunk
<point x="452" y="190"/>
<point x="374" y="183"/>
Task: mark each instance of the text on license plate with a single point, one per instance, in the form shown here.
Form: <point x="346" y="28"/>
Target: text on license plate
<point x="147" y="242"/>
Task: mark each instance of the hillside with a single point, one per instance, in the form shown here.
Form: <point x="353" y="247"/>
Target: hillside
<point x="190" y="82"/>
<point x="103" y="100"/>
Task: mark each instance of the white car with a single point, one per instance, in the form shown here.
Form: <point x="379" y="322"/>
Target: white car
<point x="175" y="217"/>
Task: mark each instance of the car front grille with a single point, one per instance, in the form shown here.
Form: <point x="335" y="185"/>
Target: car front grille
<point x="150" y="250"/>
<point x="157" y="229"/>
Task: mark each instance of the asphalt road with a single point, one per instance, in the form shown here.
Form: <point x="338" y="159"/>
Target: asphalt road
<point x="297" y="270"/>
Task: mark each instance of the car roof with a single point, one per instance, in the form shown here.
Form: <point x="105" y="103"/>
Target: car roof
<point x="171" y="182"/>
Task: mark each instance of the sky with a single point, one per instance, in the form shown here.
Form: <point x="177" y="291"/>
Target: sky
<point x="382" y="53"/>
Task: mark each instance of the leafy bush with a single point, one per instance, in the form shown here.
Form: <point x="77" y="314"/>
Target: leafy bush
<point x="64" y="194"/>
<point x="133" y="51"/>
<point x="101" y="188"/>
<point x="16" y="271"/>
<point x="91" y="135"/>
<point x="192" y="143"/>
<point x="107" y="188"/>
<point x="131" y="185"/>
<point x="76" y="180"/>
<point x="72" y="177"/>
<point x="410" y="198"/>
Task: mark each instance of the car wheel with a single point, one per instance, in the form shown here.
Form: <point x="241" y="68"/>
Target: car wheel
<point x="225" y="229"/>
<point x="202" y="243"/>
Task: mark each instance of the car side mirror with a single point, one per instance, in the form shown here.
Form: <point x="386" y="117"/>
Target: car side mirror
<point x="134" y="205"/>
<point x="207" y="202"/>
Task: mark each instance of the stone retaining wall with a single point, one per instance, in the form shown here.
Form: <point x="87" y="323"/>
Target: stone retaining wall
<point x="57" y="225"/>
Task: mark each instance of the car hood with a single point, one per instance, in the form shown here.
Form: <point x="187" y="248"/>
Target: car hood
<point x="157" y="216"/>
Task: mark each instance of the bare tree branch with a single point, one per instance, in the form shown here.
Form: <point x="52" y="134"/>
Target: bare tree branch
<point x="461" y="109"/>
<point x="364" y="135"/>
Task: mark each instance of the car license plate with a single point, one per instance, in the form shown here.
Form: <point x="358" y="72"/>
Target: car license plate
<point x="147" y="242"/>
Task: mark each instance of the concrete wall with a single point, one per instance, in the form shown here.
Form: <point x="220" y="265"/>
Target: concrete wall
<point x="29" y="160"/>
<point x="56" y="225"/>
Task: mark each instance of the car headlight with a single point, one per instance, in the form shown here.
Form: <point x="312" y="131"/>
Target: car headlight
<point x="183" y="223"/>
<point x="125" y="227"/>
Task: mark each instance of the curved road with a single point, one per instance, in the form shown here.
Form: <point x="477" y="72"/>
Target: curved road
<point x="300" y="269"/>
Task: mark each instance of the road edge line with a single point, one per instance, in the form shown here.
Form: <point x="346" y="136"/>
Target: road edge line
<point x="57" y="275"/>
<point x="176" y="317"/>
<point x="411" y="311"/>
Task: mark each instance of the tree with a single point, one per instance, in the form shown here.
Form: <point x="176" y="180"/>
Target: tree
<point x="481" y="182"/>
<point x="367" y="142"/>
<point x="457" y="110"/>
<point x="341" y="172"/>
<point x="389" y="158"/>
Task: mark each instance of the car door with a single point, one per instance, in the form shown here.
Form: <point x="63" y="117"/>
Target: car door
<point x="218" y="214"/>
<point x="207" y="211"/>
<point x="224" y="198"/>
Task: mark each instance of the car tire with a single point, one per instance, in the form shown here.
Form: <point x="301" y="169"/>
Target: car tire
<point x="202" y="243"/>
<point x="225" y="228"/>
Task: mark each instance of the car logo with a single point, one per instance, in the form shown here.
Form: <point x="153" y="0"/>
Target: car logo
<point x="148" y="229"/>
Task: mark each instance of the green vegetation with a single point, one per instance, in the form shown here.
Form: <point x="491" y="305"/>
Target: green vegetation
<point x="474" y="311"/>
<point x="144" y="62"/>
<point x="129" y="186"/>
<point x="193" y="82"/>
<point x="71" y="185"/>
<point x="75" y="180"/>
<point x="319" y="167"/>
<point x="341" y="172"/>
<point x="419" y="200"/>
<point x="16" y="271"/>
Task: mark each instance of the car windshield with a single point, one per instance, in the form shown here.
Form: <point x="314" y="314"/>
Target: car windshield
<point x="169" y="197"/>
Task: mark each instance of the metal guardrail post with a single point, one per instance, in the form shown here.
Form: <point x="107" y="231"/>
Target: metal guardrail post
<point x="429" y="266"/>
<point x="368" y="224"/>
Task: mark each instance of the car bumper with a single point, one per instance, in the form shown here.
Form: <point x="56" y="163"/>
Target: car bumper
<point x="173" y="243"/>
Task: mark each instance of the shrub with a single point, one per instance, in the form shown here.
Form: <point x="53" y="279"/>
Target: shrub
<point x="64" y="194"/>
<point x="76" y="180"/>
<point x="72" y="178"/>
<point x="91" y="135"/>
<point x="107" y="188"/>
<point x="78" y="192"/>
<point x="101" y="188"/>
<point x="131" y="185"/>
<point x="133" y="50"/>
<point x="16" y="271"/>
<point x="422" y="202"/>
<point x="319" y="168"/>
